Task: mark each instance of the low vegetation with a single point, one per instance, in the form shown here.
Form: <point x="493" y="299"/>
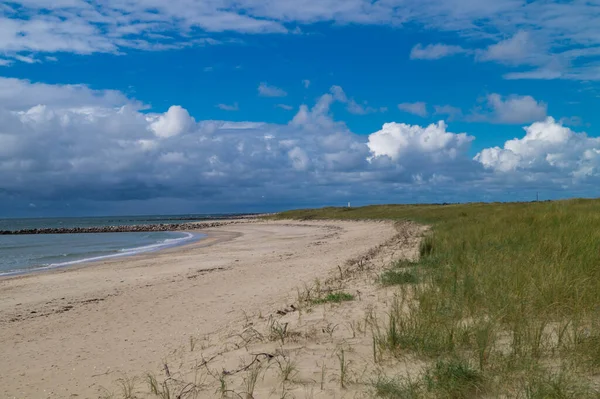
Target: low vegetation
<point x="507" y="295"/>
<point x="402" y="272"/>
<point x="336" y="297"/>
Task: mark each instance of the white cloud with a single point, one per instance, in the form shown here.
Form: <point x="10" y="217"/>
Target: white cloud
<point x="119" y="153"/>
<point x="435" y="51"/>
<point x="543" y="74"/>
<point x="84" y="146"/>
<point x="306" y="83"/>
<point x="16" y="94"/>
<point x="316" y="117"/>
<point x="299" y="158"/>
<point x="227" y="107"/>
<point x="360" y="109"/>
<point x="451" y="112"/>
<point x="351" y="105"/>
<point x="561" y="32"/>
<point x="285" y="106"/>
<point x="549" y="151"/>
<point x="398" y="140"/>
<point x="5" y="62"/>
<point x="519" y="49"/>
<point x="267" y="90"/>
<point x="26" y="59"/>
<point x="512" y="109"/>
<point x="417" y="108"/>
<point x="549" y="60"/>
<point x="173" y="123"/>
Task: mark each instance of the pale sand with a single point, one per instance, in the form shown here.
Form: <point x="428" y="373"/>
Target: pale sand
<point x="67" y="333"/>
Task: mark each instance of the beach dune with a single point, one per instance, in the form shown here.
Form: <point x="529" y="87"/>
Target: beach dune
<point x="70" y="332"/>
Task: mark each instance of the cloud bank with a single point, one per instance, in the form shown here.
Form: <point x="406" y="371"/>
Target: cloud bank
<point x="101" y="146"/>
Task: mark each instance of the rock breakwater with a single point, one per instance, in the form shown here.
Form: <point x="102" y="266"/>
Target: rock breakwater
<point x="123" y="229"/>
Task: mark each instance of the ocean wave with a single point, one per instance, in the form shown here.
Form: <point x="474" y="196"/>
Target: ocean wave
<point x="163" y="244"/>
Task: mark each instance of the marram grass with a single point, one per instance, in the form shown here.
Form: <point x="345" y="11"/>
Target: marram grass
<point x="514" y="287"/>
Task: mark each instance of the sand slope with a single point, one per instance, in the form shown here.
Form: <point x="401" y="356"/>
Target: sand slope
<point x="68" y="333"/>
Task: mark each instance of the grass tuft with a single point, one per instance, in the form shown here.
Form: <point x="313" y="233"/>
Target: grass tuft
<point x="557" y="386"/>
<point x="396" y="388"/>
<point x="426" y="246"/>
<point x="454" y="378"/>
<point x="336" y="297"/>
<point x="399" y="277"/>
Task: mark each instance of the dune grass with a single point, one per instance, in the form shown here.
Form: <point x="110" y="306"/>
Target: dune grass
<point x="514" y="288"/>
<point x="451" y="378"/>
<point x="335" y="297"/>
<point x="401" y="272"/>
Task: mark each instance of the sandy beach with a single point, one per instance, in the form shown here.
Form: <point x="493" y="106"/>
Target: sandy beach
<point x="72" y="332"/>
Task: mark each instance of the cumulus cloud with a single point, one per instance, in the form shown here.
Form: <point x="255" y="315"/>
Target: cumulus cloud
<point x="549" y="151"/>
<point x="267" y="90"/>
<point x="398" y="140"/>
<point x="110" y="150"/>
<point x="434" y="51"/>
<point x="174" y="122"/>
<point x="417" y="108"/>
<point x="510" y="110"/>
<point x="121" y="153"/>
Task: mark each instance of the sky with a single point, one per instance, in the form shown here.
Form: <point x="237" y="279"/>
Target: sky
<point x="189" y="106"/>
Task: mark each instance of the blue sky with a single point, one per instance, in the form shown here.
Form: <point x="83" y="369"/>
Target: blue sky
<point x="144" y="106"/>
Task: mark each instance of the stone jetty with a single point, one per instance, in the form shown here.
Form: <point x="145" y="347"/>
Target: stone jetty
<point x="124" y="229"/>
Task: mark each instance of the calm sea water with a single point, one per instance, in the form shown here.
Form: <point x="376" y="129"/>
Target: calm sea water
<point x="26" y="253"/>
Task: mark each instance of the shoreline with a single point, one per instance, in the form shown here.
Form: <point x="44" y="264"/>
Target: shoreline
<point x="75" y="330"/>
<point x="209" y="238"/>
<point x="194" y="236"/>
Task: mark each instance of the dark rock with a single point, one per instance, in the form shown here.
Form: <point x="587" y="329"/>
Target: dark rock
<point x="121" y="229"/>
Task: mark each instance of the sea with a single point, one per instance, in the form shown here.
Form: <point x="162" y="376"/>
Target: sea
<point x="21" y="254"/>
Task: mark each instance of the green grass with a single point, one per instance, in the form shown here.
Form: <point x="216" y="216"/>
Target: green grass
<point x="449" y="379"/>
<point x="336" y="297"/>
<point x="398" y="277"/>
<point x="397" y="388"/>
<point x="454" y="379"/>
<point x="559" y="386"/>
<point x="514" y="287"/>
<point x="402" y="272"/>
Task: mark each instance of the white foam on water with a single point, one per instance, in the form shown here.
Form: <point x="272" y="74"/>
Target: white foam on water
<point x="167" y="243"/>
